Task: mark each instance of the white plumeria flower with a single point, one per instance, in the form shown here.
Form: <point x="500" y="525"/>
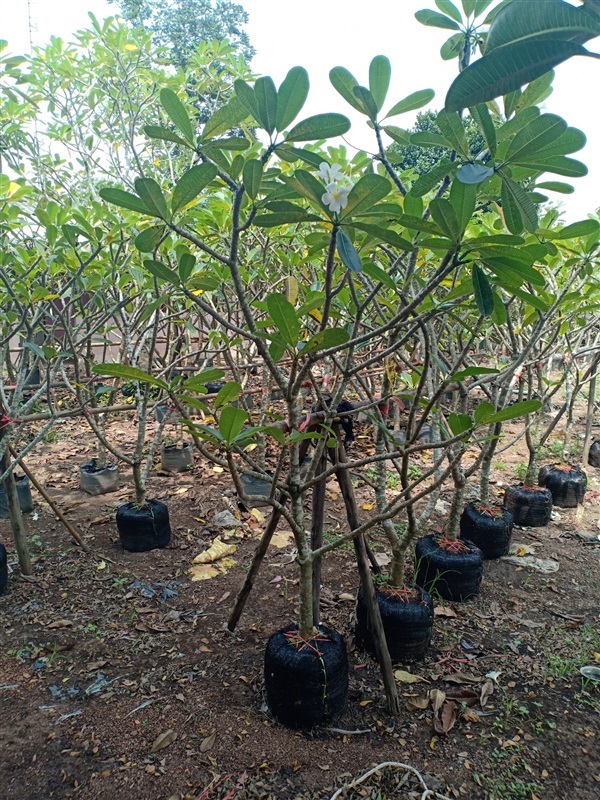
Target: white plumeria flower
<point x="329" y="174"/>
<point x="336" y="197"/>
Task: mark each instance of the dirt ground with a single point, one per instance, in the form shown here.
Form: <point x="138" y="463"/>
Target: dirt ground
<point x="118" y="681"/>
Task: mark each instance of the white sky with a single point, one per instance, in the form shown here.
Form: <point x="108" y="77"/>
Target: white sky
<point x="321" y="34"/>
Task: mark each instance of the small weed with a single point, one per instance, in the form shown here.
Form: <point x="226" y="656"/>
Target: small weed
<point x="506" y="784"/>
<point x="500" y="464"/>
<point x="414" y="472"/>
<point x="520" y="470"/>
<point x="52" y="436"/>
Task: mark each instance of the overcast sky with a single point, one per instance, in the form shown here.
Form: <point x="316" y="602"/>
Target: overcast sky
<point x="321" y="34"/>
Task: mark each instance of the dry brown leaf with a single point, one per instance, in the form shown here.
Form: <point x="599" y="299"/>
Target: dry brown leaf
<point x="165" y="739"/>
<point x="487" y="690"/>
<point x="61" y="623"/>
<point x="470" y="716"/>
<point x="282" y="539"/>
<point x="464" y="694"/>
<point x="94" y="665"/>
<point x="446" y="719"/>
<point x="437" y="697"/>
<point x="444" y="611"/>
<point x="416" y="703"/>
<point x="403" y="676"/>
<point x="208" y="742"/>
<point x="462" y="678"/>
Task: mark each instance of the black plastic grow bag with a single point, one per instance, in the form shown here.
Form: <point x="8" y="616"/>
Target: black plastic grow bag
<point x="594" y="454"/>
<point x="452" y="575"/>
<point x="143" y="529"/>
<point x="3" y="569"/>
<point x="97" y="480"/>
<point x="23" y="493"/>
<point x="529" y="506"/>
<point x="407" y="623"/>
<point x="567" y="484"/>
<point x="488" y="527"/>
<point x="306" y="683"/>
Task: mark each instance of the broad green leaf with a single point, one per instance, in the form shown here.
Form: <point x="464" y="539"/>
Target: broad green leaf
<point x="348" y="253"/>
<point x="462" y="197"/>
<point x="519" y="212"/>
<point x="398" y="135"/>
<point x="365" y="193"/>
<point x="560" y="165"/>
<point x="483" y="292"/>
<point x="187" y="262"/>
<point x="459" y="423"/>
<point x="253" y="170"/>
<point x="429" y="139"/>
<point x="380" y="71"/>
<point x="152" y="197"/>
<point x="449" y="9"/>
<point x="227" y="117"/>
<point x="247" y="97"/>
<point x="284" y="317"/>
<point x="307" y="185"/>
<point x="445" y="218"/>
<point x="72" y="233"/>
<point x="537" y="90"/>
<point x="276" y="433"/>
<point x="483" y="412"/>
<point x="196" y="382"/>
<point x="330" y="337"/>
<point x="321" y="126"/>
<point x="436" y="20"/>
<point x="453" y="131"/>
<point x="518" y="410"/>
<point x="499" y="314"/>
<point x="128" y="374"/>
<point x="474" y="173"/>
<point x="161" y="271"/>
<point x="177" y="114"/>
<point x="429" y="180"/>
<point x="570" y="141"/>
<point x="529" y="21"/>
<point x="291" y="97"/>
<point x="452" y="47"/>
<point x="119" y="197"/>
<point x="507" y="69"/>
<point x="412" y="102"/>
<point x="386" y="235"/>
<point x="483" y="118"/>
<point x="156" y="132"/>
<point x="480" y="6"/>
<point x="418" y="224"/>
<point x="344" y="83"/>
<point x="367" y="100"/>
<point x="470" y="372"/>
<point x="380" y="275"/>
<point x="231" y="422"/>
<point x="227" y="394"/>
<point x="266" y="100"/>
<point x="282" y="218"/>
<point x="535" y="137"/>
<point x="231" y="143"/>
<point x="149" y="239"/>
<point x="577" y="229"/>
<point x="191" y="184"/>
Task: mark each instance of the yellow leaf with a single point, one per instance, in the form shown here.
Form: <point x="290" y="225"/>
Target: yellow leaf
<point x="433" y="742"/>
<point x="282" y="539"/>
<point x="291" y="289"/>
<point x="217" y="469"/>
<point x="249" y="448"/>
<point x="407" y="677"/>
<point x="597" y="658"/>
<point x="101" y="565"/>
<point x="257" y="514"/>
<point x="316" y="314"/>
<point x="365" y="702"/>
<point x="130" y="47"/>
<point x="217" y="550"/>
<point x="368" y="506"/>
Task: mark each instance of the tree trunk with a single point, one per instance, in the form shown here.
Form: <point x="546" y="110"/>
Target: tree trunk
<point x="14" y="510"/>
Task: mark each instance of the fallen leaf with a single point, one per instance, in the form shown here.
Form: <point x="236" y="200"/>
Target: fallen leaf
<point x="365" y="702"/>
<point x="101" y="565"/>
<point x="444" y="611"/>
<point x="164" y="740"/>
<point x="216" y="551"/>
<point x="487" y="690"/>
<point x="257" y="514"/>
<point x="446" y="719"/>
<point x="282" y="539"/>
<point x="464" y="695"/>
<point x="403" y="676"/>
<point x="368" y="506"/>
<point x="417" y="703"/>
<point x="462" y="678"/>
<point x="94" y="665"/>
<point x="208" y="742"/>
<point x="470" y="716"/>
<point x="181" y="490"/>
<point x="61" y="623"/>
<point x="382" y="559"/>
<point x="346" y="597"/>
<point x="437" y="697"/>
<point x="204" y="572"/>
<point x="218" y="469"/>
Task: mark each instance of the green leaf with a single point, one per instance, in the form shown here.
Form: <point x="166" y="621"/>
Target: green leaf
<point x="266" y="100"/>
<point x="507" y="69"/>
<point x="418" y="224"/>
<point x="119" y="197"/>
<point x="429" y="139"/>
<point x="128" y="374"/>
<point x="291" y="97"/>
<point x="386" y="235"/>
<point x="483" y="412"/>
<point x="276" y="433"/>
<point x="191" y="184"/>
<point x="367" y="100"/>
<point x="436" y="20"/>
<point x="231" y="422"/>
<point x="519" y="212"/>
<point x="344" y="83"/>
<point x="474" y="173"/>
<point x="473" y="371"/>
<point x="177" y="114"/>
<point x="365" y="193"/>
<point x="247" y="97"/>
<point x="398" y="135"/>
<point x="577" y="229"/>
<point x="196" y="382"/>
<point x="284" y="317"/>
<point x="227" y="117"/>
<point x="452" y="47"/>
<point x="348" y="253"/>
<point x="281" y="218"/>
<point x="323" y="340"/>
<point x="459" y="423"/>
<point x="252" y="176"/>
<point x="560" y="165"/>
<point x="412" y="102"/>
<point x="483" y="118"/>
<point x="161" y="271"/>
<point x="380" y="71"/>
<point x="483" y="292"/>
<point x="518" y="410"/>
<point x="453" y="131"/>
<point x="537" y="91"/>
<point x="449" y="9"/>
<point x="445" y="218"/>
<point x="429" y="180"/>
<point x="187" y="262"/>
<point x="529" y="21"/>
<point x="149" y="239"/>
<point x="321" y="126"/>
<point x="152" y="197"/>
<point x="535" y="136"/>
<point x="227" y="394"/>
<point x="499" y="314"/>
<point x="156" y="132"/>
<point x="462" y="197"/>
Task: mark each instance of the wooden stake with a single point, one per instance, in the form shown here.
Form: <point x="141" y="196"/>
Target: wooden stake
<point x="318" y="512"/>
<point x="14" y="510"/>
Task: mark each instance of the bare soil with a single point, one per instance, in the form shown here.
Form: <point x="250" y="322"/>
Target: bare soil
<point x="117" y="679"/>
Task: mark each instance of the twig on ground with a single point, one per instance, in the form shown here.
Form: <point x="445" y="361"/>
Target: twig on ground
<point x="427" y="792"/>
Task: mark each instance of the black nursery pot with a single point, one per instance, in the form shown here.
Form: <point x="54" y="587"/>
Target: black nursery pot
<point x="594" y="454"/>
<point x="454" y="576"/>
<point x="97" y="480"/>
<point x="3" y="569"/>
<point x="567" y="484"/>
<point x="529" y="506"/>
<point x="306" y="685"/>
<point x="23" y="493"/>
<point x="407" y="623"/>
<point x="491" y="534"/>
<point x="145" y="528"/>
